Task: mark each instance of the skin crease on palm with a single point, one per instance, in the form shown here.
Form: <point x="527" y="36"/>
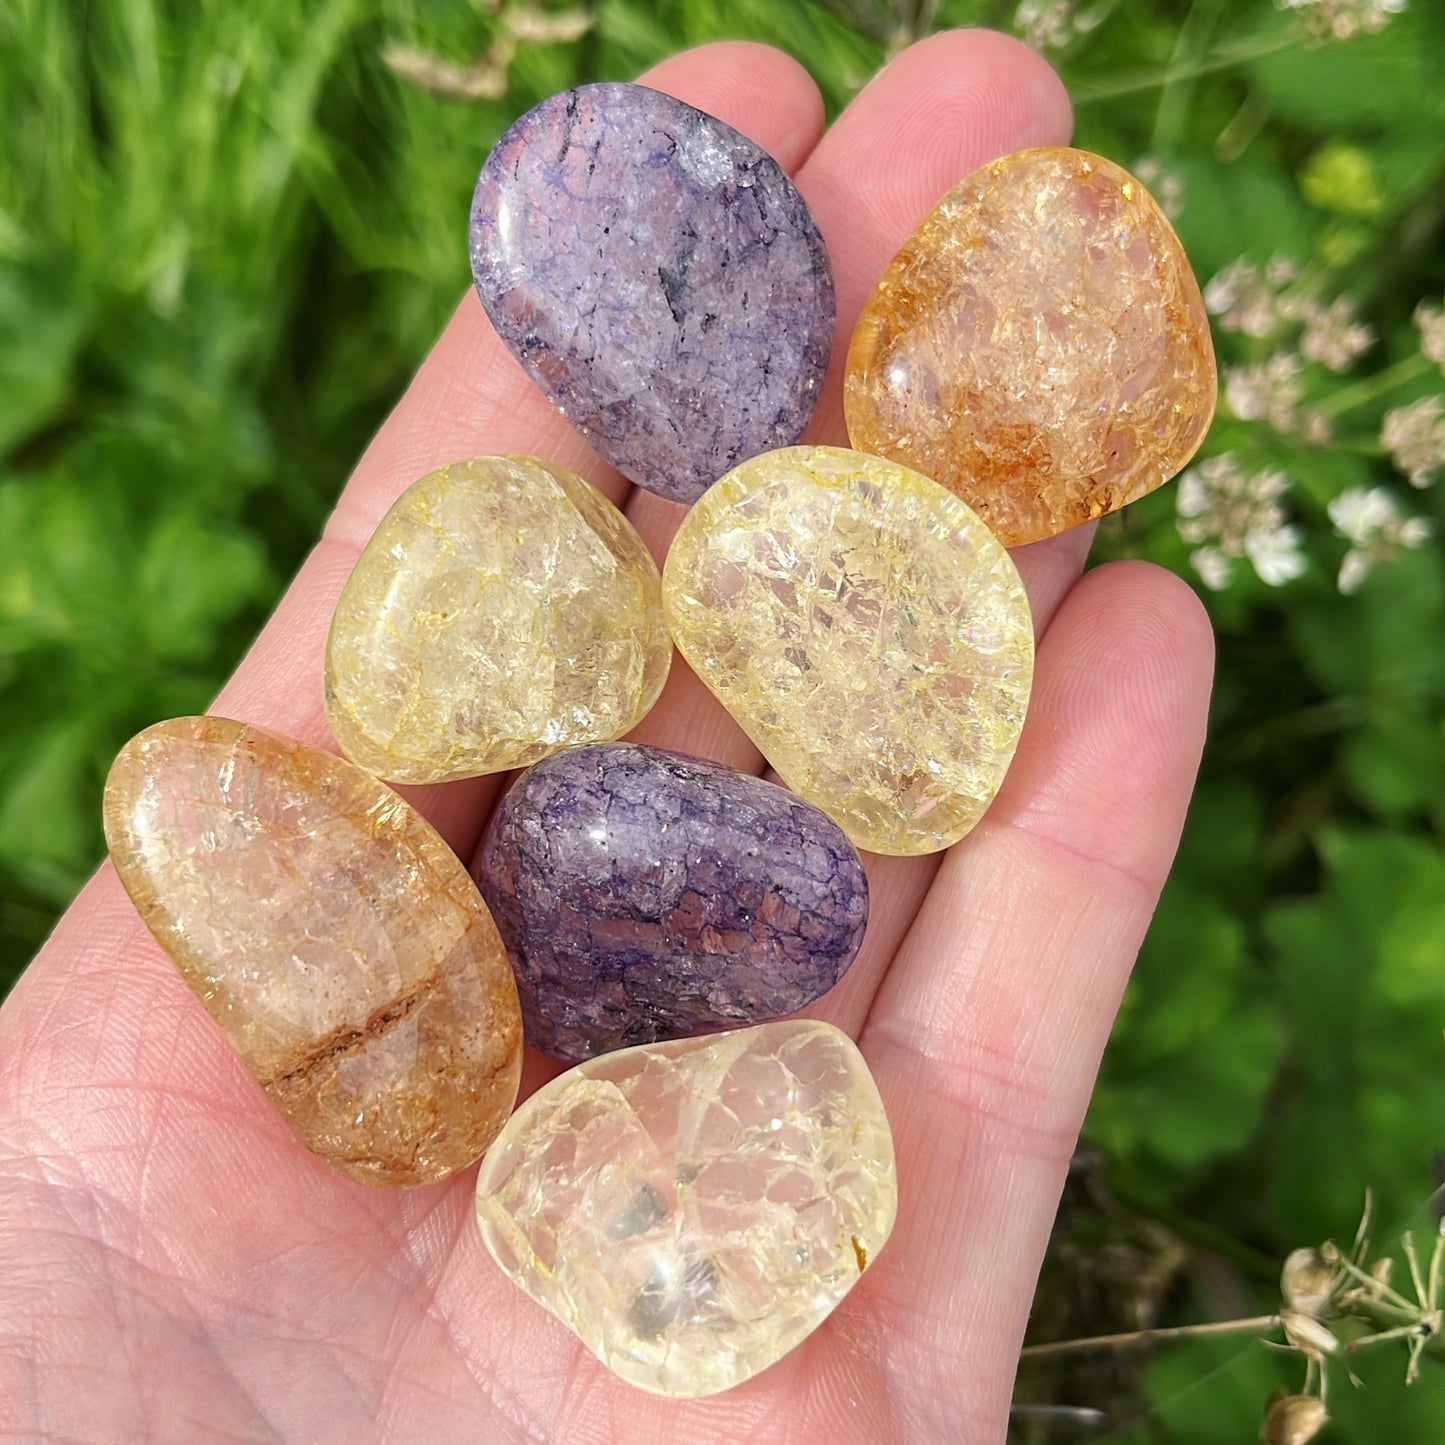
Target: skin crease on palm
<point x="173" y="1266"/>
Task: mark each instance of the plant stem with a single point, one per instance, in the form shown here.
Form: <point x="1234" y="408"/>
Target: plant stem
<point x="1347" y="398"/>
<point x="1258" y="1324"/>
<point x="1222" y="59"/>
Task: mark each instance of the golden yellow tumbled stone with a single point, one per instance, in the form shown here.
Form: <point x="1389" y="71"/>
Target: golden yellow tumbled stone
<point x="335" y="938"/>
<point x="868" y="633"/>
<point x="504" y="609"/>
<point x="1039" y="346"/>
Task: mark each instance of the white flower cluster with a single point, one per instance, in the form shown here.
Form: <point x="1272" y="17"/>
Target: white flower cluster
<point x="1343" y="19"/>
<point x="1268" y="390"/>
<point x="1166" y="186"/>
<point x="1370" y="519"/>
<point x="1332" y="335"/>
<point x="1051" y="24"/>
<point x="1430" y="320"/>
<point x="1228" y="513"/>
<point x="1414" y="436"/>
<point x="1263" y="302"/>
<point x="1254" y="302"/>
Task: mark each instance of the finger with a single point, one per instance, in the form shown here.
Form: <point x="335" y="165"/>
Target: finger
<point x="986" y="1034"/>
<point x="941" y="109"/>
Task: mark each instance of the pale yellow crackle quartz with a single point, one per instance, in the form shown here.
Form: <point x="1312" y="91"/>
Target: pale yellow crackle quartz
<point x="504" y="609"/>
<point x="868" y="633"/>
<point x="1039" y="346"/>
<point x="692" y="1210"/>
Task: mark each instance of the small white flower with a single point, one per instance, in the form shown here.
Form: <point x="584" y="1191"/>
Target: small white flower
<point x="1267" y="390"/>
<point x="1166" y="186"/>
<point x="1314" y="427"/>
<point x="1431" y="321"/>
<point x="1352" y="572"/>
<point x="1228" y="513"/>
<point x="1370" y="519"/>
<point x="1332" y="333"/>
<point x="1274" y="553"/>
<point x="1214" y="568"/>
<point x="1342" y="19"/>
<point x="1243" y="299"/>
<point x="1045" y="24"/>
<point x="1414" y="435"/>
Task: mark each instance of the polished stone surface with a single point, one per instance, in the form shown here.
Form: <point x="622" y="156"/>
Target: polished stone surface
<point x="693" y="1210"/>
<point x="643" y="895"/>
<point x="503" y="609"/>
<point x="660" y="278"/>
<point x="1039" y="346"/>
<point x="332" y="935"/>
<point x="866" y="630"/>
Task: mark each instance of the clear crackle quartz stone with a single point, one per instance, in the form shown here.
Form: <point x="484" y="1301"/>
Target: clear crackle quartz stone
<point x="692" y="1210"/>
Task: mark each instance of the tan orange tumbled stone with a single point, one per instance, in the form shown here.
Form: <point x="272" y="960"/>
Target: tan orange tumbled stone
<point x="332" y="934"/>
<point x="1039" y="346"/>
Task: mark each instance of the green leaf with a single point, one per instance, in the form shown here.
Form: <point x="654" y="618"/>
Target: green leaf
<point x="193" y="576"/>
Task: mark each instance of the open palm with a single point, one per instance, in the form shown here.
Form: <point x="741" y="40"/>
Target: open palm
<point x="174" y="1266"/>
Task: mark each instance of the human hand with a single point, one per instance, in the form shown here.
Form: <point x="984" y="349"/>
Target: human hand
<point x="174" y="1266"/>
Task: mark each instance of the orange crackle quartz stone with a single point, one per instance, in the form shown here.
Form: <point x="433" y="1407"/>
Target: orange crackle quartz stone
<point x="332" y="934"/>
<point x="1039" y="346"/>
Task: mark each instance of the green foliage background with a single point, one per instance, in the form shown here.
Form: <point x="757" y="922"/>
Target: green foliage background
<point x="228" y="234"/>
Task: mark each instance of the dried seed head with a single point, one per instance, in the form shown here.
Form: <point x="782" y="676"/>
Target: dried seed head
<point x="1293" y="1420"/>
<point x="1307" y="1334"/>
<point x="1307" y="1282"/>
<point x="1382" y="1269"/>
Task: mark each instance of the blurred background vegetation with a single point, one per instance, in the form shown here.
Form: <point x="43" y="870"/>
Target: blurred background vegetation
<point x="228" y="234"/>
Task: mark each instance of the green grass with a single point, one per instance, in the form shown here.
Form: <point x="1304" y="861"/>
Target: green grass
<point x="228" y="234"/>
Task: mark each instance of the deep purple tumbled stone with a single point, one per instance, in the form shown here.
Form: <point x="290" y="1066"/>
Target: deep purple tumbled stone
<point x="659" y="276"/>
<point x="646" y="895"/>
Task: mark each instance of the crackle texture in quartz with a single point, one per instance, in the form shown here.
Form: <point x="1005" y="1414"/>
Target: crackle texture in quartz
<point x="647" y="895"/>
<point x="333" y="936"/>
<point x="661" y="279"/>
<point x="692" y="1210"/>
<point x="1039" y="346"/>
<point x="503" y="609"/>
<point x="867" y="632"/>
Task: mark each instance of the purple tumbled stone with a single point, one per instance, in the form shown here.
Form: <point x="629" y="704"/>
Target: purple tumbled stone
<point x="659" y="276"/>
<point x="646" y="895"/>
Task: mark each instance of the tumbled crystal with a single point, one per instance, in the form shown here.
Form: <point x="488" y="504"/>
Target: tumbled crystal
<point x="647" y="895"/>
<point x="692" y="1210"/>
<point x="333" y="936"/>
<point x="502" y="610"/>
<point x="1039" y="346"/>
<point x="868" y="633"/>
<point x="659" y="276"/>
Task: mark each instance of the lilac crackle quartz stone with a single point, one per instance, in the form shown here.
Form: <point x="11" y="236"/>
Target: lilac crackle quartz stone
<point x="646" y="895"/>
<point x="661" y="279"/>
